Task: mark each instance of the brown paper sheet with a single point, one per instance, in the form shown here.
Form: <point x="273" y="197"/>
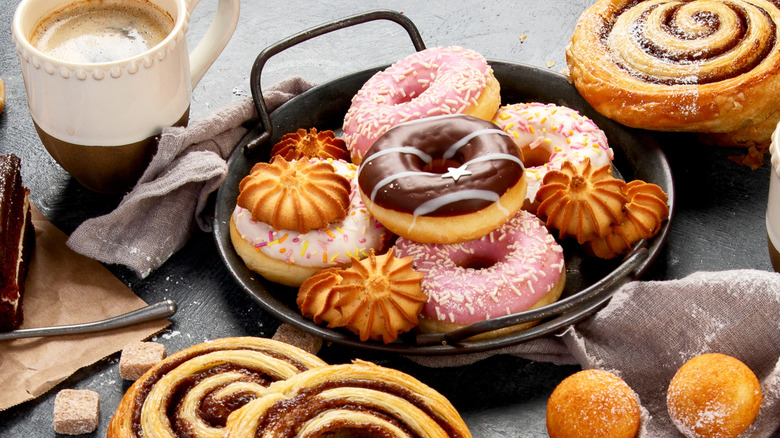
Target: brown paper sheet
<point x="64" y="287"/>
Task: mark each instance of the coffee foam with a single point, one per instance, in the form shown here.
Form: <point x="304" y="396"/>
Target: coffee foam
<point x="94" y="31"/>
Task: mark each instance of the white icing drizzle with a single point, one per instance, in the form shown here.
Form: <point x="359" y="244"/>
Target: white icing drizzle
<point x="496" y="156"/>
<point x="463" y="141"/>
<point x="441" y="201"/>
<point x="434" y="204"/>
<point x="401" y="150"/>
<point x="487" y="157"/>
<point x="390" y="179"/>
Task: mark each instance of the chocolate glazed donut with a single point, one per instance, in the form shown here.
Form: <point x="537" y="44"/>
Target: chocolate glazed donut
<point x="696" y="66"/>
<point x="443" y="179"/>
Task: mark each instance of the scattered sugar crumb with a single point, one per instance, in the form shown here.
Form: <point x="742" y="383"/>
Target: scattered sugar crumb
<point x="523" y="37"/>
<point x="550" y="64"/>
<point x="171" y="334"/>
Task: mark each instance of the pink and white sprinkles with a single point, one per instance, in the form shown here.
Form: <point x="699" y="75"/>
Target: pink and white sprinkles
<point x="562" y="132"/>
<point x="512" y="268"/>
<point x="431" y="82"/>
<point x="355" y="236"/>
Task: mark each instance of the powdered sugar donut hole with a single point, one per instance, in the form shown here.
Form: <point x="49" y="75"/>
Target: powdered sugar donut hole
<point x="713" y="395"/>
<point x="593" y="403"/>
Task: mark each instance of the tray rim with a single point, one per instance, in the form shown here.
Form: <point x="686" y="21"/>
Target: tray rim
<point x="249" y="283"/>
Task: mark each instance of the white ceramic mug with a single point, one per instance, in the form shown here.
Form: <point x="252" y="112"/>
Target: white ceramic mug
<point x="773" y="203"/>
<point x="99" y="120"/>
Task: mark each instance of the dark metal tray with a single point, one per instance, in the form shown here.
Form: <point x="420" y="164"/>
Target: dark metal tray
<point x="590" y="282"/>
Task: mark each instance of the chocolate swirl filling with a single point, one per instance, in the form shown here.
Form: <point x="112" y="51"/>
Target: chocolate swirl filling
<point x="691" y="42"/>
<point x="217" y="401"/>
<point x="286" y="417"/>
<point x="440" y="166"/>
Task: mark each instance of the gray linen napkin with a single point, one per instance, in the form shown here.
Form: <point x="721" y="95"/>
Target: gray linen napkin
<point x="157" y="217"/>
<point x="649" y="329"/>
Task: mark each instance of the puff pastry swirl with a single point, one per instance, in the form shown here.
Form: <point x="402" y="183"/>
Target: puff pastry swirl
<point x="680" y="65"/>
<point x="191" y="393"/>
<point x="358" y="399"/>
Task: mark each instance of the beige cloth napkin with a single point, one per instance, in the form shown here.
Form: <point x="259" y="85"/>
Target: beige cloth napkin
<point x="158" y="216"/>
<point x="649" y="329"/>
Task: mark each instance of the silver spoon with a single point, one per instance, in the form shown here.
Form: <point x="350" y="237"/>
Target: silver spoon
<point x="153" y="312"/>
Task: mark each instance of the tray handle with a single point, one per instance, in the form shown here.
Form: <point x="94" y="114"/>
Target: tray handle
<point x="597" y="294"/>
<point x="262" y="58"/>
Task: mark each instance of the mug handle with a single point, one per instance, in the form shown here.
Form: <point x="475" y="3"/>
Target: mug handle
<point x="215" y="39"/>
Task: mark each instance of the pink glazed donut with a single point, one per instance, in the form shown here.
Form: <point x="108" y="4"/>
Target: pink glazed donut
<point x="549" y="135"/>
<point x="431" y="82"/>
<point x="516" y="267"/>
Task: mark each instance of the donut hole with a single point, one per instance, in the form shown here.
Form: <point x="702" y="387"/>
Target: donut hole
<point x="477" y="262"/>
<point x="533" y="157"/>
<point x="482" y="254"/>
<point x="440" y="165"/>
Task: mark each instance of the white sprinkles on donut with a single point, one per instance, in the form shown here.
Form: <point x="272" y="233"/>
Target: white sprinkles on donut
<point x="514" y="267"/>
<point x="431" y="82"/>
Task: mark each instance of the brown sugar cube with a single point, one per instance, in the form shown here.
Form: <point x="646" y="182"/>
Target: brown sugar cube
<point x="138" y="357"/>
<point x="296" y="337"/>
<point x="76" y="411"/>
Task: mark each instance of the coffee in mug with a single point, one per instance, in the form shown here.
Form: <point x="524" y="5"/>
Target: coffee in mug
<point x="93" y="32"/>
<point x="103" y="78"/>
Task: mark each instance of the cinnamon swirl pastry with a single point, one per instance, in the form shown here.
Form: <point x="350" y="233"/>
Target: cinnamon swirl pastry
<point x="191" y="393"/>
<point x="670" y="65"/>
<point x="359" y="399"/>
